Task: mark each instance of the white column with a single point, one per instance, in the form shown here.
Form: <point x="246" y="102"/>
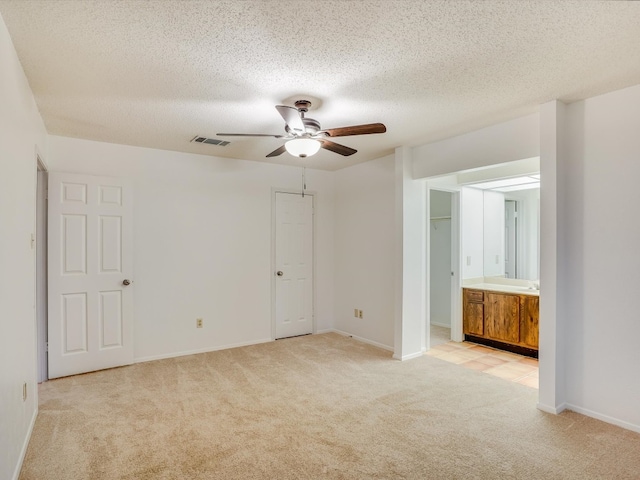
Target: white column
<point x="409" y="338"/>
<point x="552" y="154"/>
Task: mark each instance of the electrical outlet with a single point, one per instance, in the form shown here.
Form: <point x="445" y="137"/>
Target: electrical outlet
<point x="198" y="323"/>
<point x="355" y="312"/>
<point x="360" y="314"/>
<point x="24" y="392"/>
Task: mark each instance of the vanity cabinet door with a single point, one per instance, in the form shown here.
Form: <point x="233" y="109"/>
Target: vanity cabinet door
<point x="473" y="312"/>
<point x="529" y="313"/>
<point x="502" y="317"/>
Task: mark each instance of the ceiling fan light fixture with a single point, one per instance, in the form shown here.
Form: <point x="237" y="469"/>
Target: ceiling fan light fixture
<point x="302" y="147"/>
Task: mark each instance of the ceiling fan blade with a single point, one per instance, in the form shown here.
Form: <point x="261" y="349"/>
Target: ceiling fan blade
<point x="356" y="130"/>
<point x="337" y="148"/>
<point x="277" y="151"/>
<point x="248" y="135"/>
<point x="292" y="118"/>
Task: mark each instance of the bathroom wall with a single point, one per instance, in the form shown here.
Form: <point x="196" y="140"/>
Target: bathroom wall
<point x="472" y="232"/>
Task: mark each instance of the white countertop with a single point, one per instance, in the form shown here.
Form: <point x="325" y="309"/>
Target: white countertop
<point x="495" y="287"/>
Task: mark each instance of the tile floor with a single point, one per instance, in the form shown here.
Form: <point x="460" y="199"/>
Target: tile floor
<point x="506" y="365"/>
<point x="440" y="335"/>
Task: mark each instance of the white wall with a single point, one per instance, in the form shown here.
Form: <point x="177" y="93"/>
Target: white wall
<point x="202" y="242"/>
<point x="440" y="258"/>
<point x="504" y="142"/>
<point x="365" y="250"/>
<point x="472" y="232"/>
<point x="21" y="132"/>
<point x="601" y="264"/>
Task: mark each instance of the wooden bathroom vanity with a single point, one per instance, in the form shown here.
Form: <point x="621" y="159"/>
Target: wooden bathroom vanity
<point x="502" y="319"/>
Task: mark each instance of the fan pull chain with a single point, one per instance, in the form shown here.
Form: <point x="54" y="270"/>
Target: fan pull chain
<point x="304" y="181"/>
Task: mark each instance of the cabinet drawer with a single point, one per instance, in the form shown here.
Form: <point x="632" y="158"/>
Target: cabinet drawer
<point x="475" y="296"/>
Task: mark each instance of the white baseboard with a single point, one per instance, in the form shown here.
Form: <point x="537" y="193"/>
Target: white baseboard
<point x="589" y="413"/>
<point x="604" y="418"/>
<point x="326" y="330"/>
<point x="554" y="410"/>
<point x="408" y="357"/>
<point x="201" y="350"/>
<point x="25" y="444"/>
<point x="438" y="324"/>
<point x="360" y="339"/>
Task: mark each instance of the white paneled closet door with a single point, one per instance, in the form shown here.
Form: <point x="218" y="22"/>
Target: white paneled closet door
<point x="90" y="268"/>
<point x="294" y="264"/>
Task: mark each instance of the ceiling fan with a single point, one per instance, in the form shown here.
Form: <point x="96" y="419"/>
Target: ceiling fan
<point x="304" y="135"/>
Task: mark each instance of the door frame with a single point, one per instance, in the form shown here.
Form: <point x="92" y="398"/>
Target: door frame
<point x="314" y="195"/>
<point x="40" y="286"/>
<point x="456" y="262"/>
<point x="518" y="234"/>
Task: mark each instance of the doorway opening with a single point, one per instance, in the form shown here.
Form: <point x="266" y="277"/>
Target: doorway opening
<point x="479" y="201"/>
<point x="440" y="272"/>
<point x="443" y="292"/>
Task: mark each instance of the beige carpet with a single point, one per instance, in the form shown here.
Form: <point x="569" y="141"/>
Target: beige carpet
<point x="315" y="407"/>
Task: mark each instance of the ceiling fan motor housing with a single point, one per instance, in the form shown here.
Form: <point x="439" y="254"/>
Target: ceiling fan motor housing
<point x="311" y="126"/>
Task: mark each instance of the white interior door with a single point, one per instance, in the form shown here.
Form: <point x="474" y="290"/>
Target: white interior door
<point x="89" y="267"/>
<point x="294" y="265"/>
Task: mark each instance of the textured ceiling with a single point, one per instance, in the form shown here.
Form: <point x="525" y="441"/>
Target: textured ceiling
<point x="157" y="73"/>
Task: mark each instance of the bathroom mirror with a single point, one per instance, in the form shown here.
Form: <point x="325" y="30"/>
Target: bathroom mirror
<point x="499" y="219"/>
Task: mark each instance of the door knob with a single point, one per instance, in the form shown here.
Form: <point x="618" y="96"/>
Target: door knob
<point x="279" y="273"/>
<point x="126" y="282"/>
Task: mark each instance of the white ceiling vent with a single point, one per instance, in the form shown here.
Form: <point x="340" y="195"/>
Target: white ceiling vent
<point x="210" y="141"/>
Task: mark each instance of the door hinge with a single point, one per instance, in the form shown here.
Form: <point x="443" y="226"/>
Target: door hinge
<point x="46" y="346"/>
